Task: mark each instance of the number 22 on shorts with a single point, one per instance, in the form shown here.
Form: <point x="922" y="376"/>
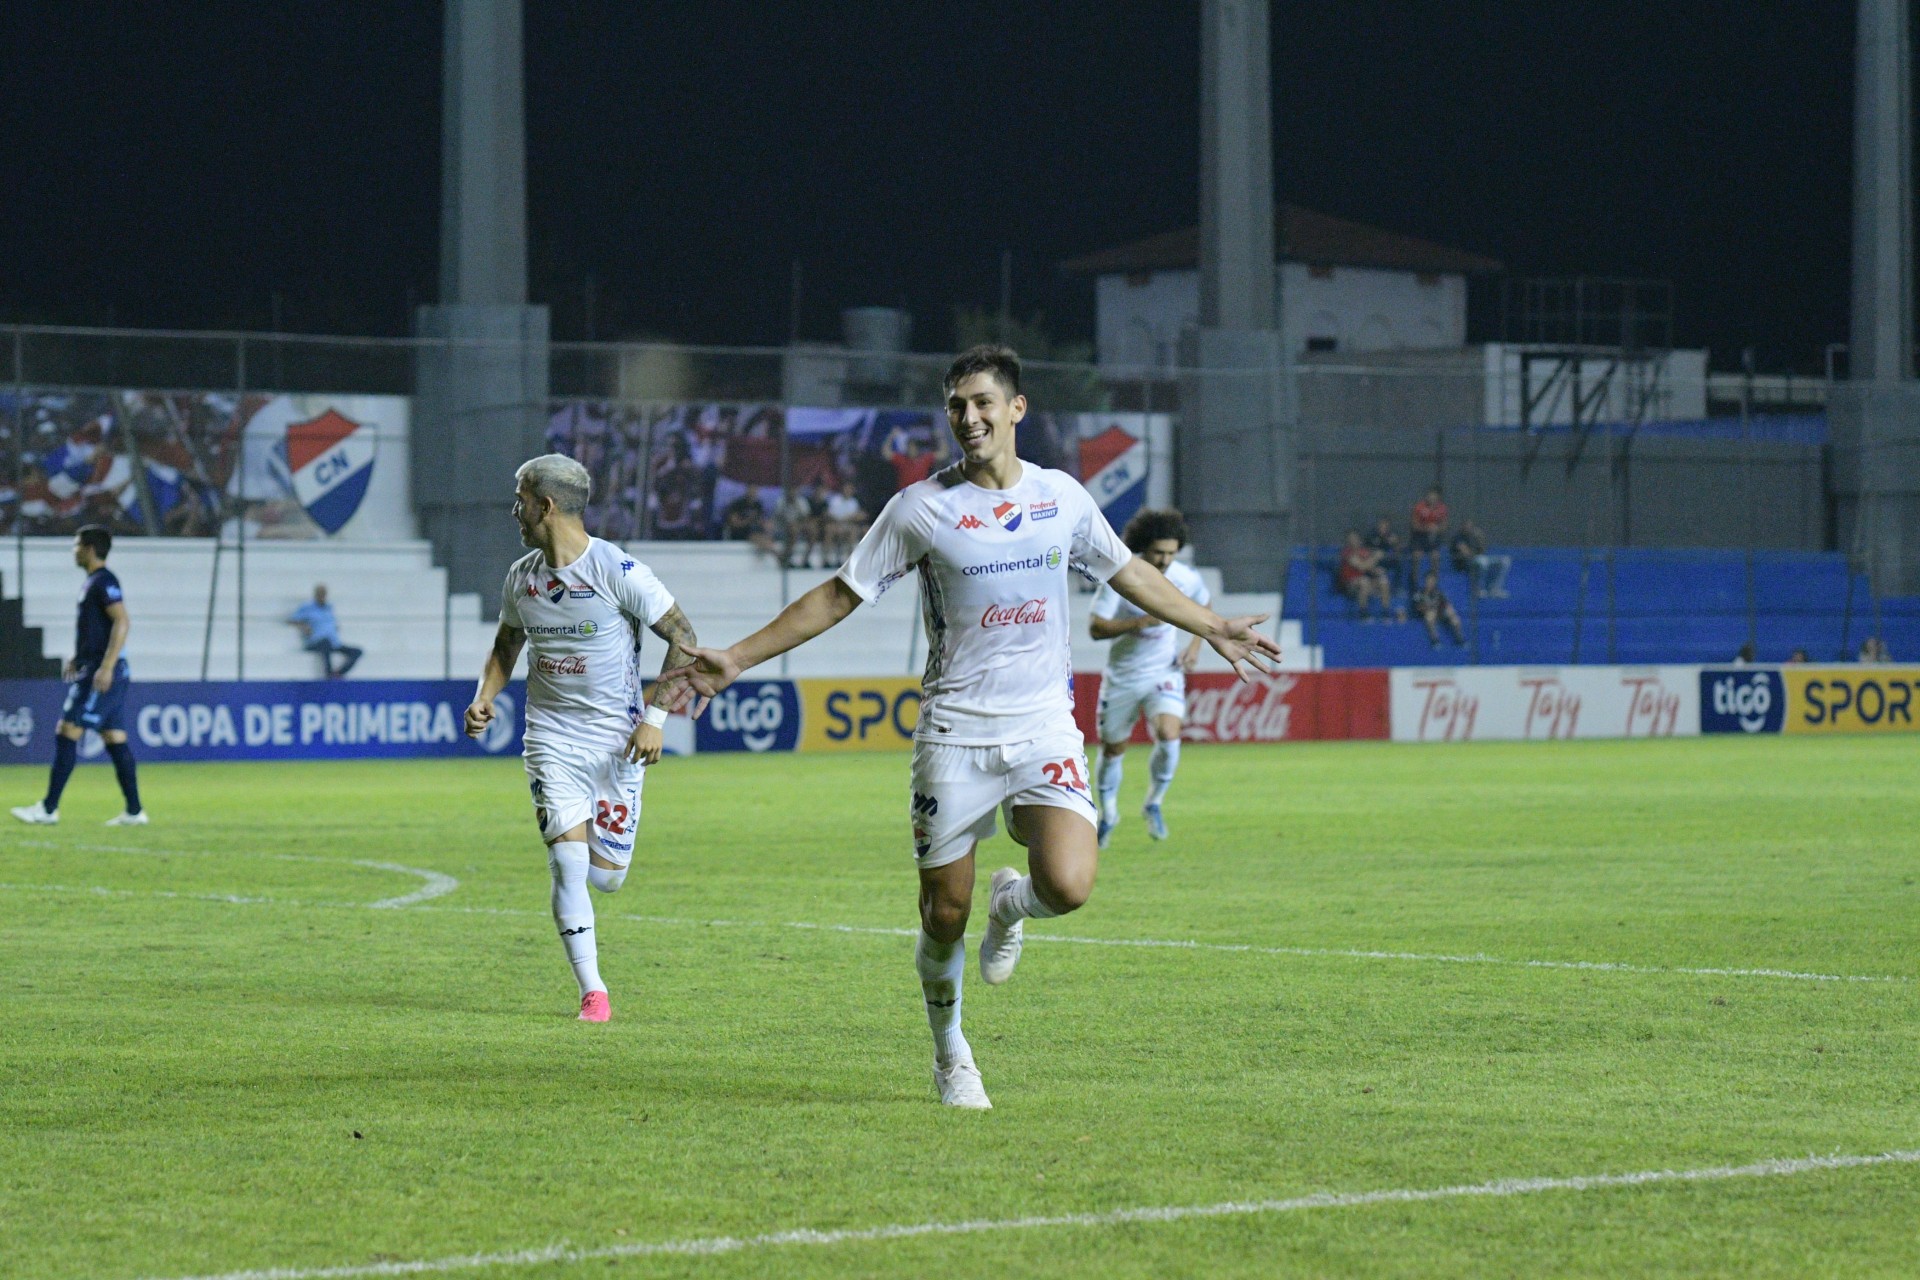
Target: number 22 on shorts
<point x="611" y="818"/>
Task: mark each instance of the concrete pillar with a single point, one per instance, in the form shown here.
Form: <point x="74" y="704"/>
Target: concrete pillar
<point x="1882" y="341"/>
<point x="1234" y="452"/>
<point x="1875" y="417"/>
<point x="481" y="375"/>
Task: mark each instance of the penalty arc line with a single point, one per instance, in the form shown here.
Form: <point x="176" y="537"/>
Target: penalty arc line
<point x="707" y="1246"/>
<point x="1167" y="944"/>
<point x="437" y="885"/>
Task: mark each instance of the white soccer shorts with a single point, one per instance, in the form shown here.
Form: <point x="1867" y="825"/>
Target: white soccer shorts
<point x="572" y="785"/>
<point x="1121" y="705"/>
<point x="957" y="790"/>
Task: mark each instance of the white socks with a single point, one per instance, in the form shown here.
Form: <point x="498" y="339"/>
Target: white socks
<point x="1018" y="901"/>
<point x="941" y="965"/>
<point x="1160" y="767"/>
<point x="573" y="911"/>
<point x="1108" y="780"/>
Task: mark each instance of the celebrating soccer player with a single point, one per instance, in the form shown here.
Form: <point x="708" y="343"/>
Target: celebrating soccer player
<point x="97" y="678"/>
<point x="992" y="538"/>
<point x="580" y="602"/>
<point x="1143" y="677"/>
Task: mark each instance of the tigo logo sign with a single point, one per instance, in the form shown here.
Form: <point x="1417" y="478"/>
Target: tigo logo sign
<point x="764" y="717"/>
<point x="1741" y="700"/>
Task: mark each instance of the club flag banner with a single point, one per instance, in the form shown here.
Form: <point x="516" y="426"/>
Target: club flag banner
<point x="859" y="715"/>
<point x="1851" y="699"/>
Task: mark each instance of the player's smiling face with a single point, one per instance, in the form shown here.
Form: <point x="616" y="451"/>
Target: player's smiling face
<point x="983" y="417"/>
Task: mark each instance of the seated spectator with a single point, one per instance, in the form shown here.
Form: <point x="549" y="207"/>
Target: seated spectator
<point x="1874" y="649"/>
<point x="1799" y="657"/>
<point x="745" y="520"/>
<point x="1384" y="540"/>
<point x="1488" y="572"/>
<point x="1429" y="530"/>
<point x="1361" y="577"/>
<point x="797" y="527"/>
<point x="846" y="521"/>
<point x="320" y="633"/>
<point x="1744" y="655"/>
<point x="1432" y="607"/>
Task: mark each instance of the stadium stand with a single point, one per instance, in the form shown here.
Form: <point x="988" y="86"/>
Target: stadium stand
<point x="1566" y="605"/>
<point x="393" y="602"/>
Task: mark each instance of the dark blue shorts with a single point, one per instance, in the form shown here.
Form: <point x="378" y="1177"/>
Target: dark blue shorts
<point x="97" y="711"/>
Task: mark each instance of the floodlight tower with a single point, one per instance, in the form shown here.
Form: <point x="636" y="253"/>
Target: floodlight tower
<point x="1235" y="444"/>
<point x="482" y="376"/>
<point x="1875" y="417"/>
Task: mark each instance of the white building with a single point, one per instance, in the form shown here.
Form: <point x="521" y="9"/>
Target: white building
<point x="1343" y="287"/>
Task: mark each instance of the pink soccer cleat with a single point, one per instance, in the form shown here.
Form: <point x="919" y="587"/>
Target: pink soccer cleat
<point x="594" y="1007"/>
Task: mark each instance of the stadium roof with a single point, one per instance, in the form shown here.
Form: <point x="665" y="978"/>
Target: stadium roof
<point x="1299" y="235"/>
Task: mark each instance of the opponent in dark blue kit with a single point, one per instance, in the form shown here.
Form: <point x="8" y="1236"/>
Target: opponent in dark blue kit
<point x="97" y="680"/>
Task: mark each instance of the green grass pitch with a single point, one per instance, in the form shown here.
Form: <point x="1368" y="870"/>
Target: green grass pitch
<point x="216" y="1058"/>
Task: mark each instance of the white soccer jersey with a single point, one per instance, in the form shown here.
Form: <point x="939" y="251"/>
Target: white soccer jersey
<point x="1147" y="654"/>
<point x="583" y="623"/>
<point x="993" y="590"/>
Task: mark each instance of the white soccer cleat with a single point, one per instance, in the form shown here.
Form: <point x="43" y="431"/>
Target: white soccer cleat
<point x="960" y="1086"/>
<point x="1000" y="944"/>
<point x="129" y="820"/>
<point x="36" y="814"/>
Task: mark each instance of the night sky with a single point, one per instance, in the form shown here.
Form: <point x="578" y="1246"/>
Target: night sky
<point x="166" y="172"/>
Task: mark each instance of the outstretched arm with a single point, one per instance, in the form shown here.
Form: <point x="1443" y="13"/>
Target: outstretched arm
<point x="1232" y="638"/>
<point x="494" y="675"/>
<point x="708" y="671"/>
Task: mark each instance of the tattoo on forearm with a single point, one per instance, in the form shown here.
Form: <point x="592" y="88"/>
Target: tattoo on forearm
<point x="674" y="628"/>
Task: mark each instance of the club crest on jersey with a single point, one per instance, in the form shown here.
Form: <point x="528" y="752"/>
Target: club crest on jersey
<point x="971" y="521"/>
<point x="1008" y="514"/>
<point x="329" y="462"/>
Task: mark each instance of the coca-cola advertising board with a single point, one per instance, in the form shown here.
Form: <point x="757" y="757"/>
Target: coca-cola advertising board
<point x="1481" y="704"/>
<point x="1293" y="706"/>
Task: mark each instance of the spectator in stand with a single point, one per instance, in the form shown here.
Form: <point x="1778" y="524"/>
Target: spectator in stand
<point x="1361" y="577"/>
<point x="1384" y="540"/>
<point x="846" y="521"/>
<point x="1874" y="649"/>
<point x="745" y="520"/>
<point x="1488" y="572"/>
<point x="1744" y="655"/>
<point x="1429" y="531"/>
<point x="320" y="633"/>
<point x="912" y="461"/>
<point x="798" y="530"/>
<point x="1799" y="657"/>
<point x="1432" y="607"/>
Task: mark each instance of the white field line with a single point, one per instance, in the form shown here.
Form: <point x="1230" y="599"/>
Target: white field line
<point x="437" y="885"/>
<point x="1170" y="944"/>
<point x="708" y="1246"/>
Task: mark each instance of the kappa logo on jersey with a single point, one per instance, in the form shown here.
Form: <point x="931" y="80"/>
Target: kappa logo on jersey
<point x="571" y="665"/>
<point x="1044" y="510"/>
<point x="626" y="566"/>
<point x="330" y="462"/>
<point x="1014" y="615"/>
<point x="971" y="521"/>
<point x="1008" y="514"/>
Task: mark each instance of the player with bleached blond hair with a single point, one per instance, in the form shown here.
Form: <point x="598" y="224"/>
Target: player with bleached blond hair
<point x="992" y="539"/>
<point x="580" y="603"/>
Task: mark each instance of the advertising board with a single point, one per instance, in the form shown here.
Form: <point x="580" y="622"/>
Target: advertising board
<point x="1294" y="706"/>
<point x="859" y="715"/>
<point x="1478" y="704"/>
<point x="1851" y="699"/>
<point x="271" y="720"/>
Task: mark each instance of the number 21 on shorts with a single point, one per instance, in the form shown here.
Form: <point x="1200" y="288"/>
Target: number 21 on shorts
<point x="1066" y="773"/>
